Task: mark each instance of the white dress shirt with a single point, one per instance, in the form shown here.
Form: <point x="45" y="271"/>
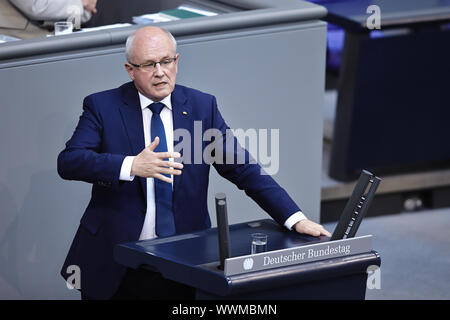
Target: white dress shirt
<point x="149" y="230"/>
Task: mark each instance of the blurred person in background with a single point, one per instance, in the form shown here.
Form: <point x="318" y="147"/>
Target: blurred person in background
<point x="26" y="19"/>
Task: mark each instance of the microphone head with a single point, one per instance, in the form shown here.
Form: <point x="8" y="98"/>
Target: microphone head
<point x="221" y="196"/>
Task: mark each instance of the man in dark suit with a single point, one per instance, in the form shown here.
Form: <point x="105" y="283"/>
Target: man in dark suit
<point x="124" y="145"/>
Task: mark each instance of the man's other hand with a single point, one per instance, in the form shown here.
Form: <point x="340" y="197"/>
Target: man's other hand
<point x="90" y="5"/>
<point x="311" y="228"/>
<point x="150" y="164"/>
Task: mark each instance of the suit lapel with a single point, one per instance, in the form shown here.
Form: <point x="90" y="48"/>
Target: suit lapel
<point x="182" y="119"/>
<point x="132" y="119"/>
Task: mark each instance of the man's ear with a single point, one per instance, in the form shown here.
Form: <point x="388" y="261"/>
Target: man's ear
<point x="130" y="70"/>
<point x="176" y="62"/>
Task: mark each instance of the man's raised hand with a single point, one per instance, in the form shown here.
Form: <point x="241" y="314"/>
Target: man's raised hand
<point x="150" y="164"/>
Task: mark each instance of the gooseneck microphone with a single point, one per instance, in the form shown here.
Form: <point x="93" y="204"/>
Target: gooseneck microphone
<point x="222" y="228"/>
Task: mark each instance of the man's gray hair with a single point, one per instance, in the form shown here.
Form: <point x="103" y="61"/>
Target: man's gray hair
<point x="130" y="40"/>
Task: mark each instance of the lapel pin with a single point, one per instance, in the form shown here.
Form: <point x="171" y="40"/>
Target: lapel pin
<point x="184" y="112"/>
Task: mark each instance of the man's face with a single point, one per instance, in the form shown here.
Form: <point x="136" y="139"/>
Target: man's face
<point x="155" y="82"/>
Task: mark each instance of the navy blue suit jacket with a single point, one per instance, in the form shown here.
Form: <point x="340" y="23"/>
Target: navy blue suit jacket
<point x="110" y="128"/>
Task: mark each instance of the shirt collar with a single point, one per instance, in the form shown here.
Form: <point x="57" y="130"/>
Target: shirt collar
<point x="145" y="102"/>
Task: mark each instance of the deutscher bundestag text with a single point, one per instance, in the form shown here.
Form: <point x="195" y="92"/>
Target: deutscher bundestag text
<point x="310" y="254"/>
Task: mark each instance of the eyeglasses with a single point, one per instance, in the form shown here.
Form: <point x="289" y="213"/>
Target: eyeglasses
<point x="151" y="66"/>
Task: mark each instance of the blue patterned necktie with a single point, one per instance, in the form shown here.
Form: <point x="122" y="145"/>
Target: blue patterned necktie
<point x="165" y="225"/>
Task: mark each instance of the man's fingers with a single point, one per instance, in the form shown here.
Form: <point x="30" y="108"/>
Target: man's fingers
<point x="317" y="229"/>
<point x="163" y="178"/>
<point x="312" y="231"/>
<point x="172" y="164"/>
<point x="154" y="144"/>
<point x="167" y="155"/>
<point x="321" y="229"/>
<point x="312" y="228"/>
<point x="162" y="155"/>
<point x="325" y="232"/>
<point x="170" y="171"/>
